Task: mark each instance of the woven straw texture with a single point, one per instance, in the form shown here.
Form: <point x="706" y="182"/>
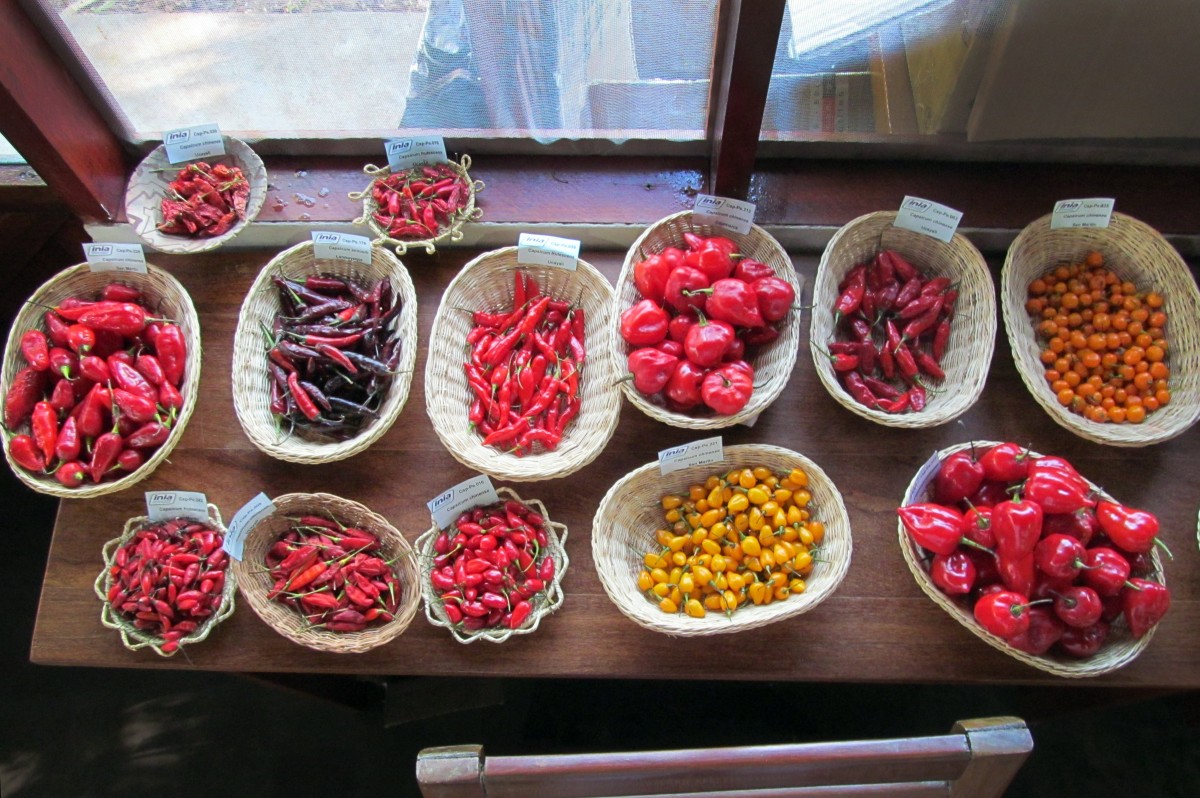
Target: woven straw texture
<point x="136" y="639"/>
<point x="623" y="530"/>
<point x="774" y="362"/>
<point x="252" y="380"/>
<point x="1137" y="253"/>
<point x="1119" y="649"/>
<point x="543" y="605"/>
<point x="972" y="334"/>
<point x="255" y="582"/>
<point x="148" y="186"/>
<point x="163" y="295"/>
<point x="450" y="234"/>
<point x="486" y="284"/>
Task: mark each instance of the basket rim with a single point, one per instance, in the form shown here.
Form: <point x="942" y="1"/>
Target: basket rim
<point x="556" y="535"/>
<point x="469" y="213"/>
<point x="187" y="246"/>
<point x="1066" y="667"/>
<point x="47" y="484"/>
<point x="835" y="515"/>
<point x="980" y="367"/>
<point x="788" y="342"/>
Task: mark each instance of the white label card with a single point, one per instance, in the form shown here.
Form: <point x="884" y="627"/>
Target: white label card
<point x="1095" y="212"/>
<point x="730" y="214"/>
<point x="126" y="258"/>
<point x="929" y="218"/>
<point x="925" y="477"/>
<point x="193" y="143"/>
<point x="535" y="249"/>
<point x="163" y="505"/>
<point x="463" y="496"/>
<point x="406" y="153"/>
<point x="702" y="452"/>
<point x="246" y="518"/>
<point x="341" y="246"/>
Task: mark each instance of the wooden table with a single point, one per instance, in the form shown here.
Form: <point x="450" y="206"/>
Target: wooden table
<point x="878" y="627"/>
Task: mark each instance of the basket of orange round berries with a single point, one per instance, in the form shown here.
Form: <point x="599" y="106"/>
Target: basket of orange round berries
<point x="1104" y="325"/>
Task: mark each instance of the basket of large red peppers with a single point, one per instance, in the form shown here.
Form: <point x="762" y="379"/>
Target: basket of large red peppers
<point x="420" y="206"/>
<point x="1033" y="558"/>
<point x="100" y="378"/>
<point x="705" y="323"/>
<point x="903" y="325"/>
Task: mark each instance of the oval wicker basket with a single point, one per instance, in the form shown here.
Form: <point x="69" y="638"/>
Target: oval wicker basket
<point x="255" y="582"/>
<point x="1139" y="254"/>
<point x="451" y="233"/>
<point x="486" y="283"/>
<point x="543" y="605"/>
<point x="623" y="530"/>
<point x="164" y="295"/>
<point x="148" y="185"/>
<point x="972" y="335"/>
<point x="773" y="363"/>
<point x="252" y="380"/>
<point x="135" y="639"/>
<point x="1119" y="649"/>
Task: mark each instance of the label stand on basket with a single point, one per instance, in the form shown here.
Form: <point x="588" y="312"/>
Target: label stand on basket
<point x="701" y="452"/>
<point x="193" y="143"/>
<point x="125" y="258"/>
<point x="928" y="218"/>
<point x="463" y="496"/>
<point x="246" y="518"/>
<point x="1079" y="213"/>
<point x="406" y="153"/>
<point x="164" y="505"/>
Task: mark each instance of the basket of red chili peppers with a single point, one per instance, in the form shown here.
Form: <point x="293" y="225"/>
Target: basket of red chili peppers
<point x="704" y="324"/>
<point x="166" y="584"/>
<point x="329" y="574"/>
<point x="1033" y="558"/>
<point x="195" y="206"/>
<point x="903" y="325"/>
<point x="419" y="206"/>
<point x="514" y="385"/>
<point x="323" y="354"/>
<point x="496" y="572"/>
<point x="99" y="381"/>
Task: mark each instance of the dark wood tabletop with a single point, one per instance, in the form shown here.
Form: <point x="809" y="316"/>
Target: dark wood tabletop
<point x="878" y="626"/>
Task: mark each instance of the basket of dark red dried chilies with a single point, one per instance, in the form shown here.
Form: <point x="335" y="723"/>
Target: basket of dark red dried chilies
<point x="323" y="354"/>
<point x="196" y="206"/>
<point x="166" y="584"/>
<point x="419" y="206"/>
<point x="903" y="324"/>
<point x="514" y="384"/>
<point x="329" y="574"/>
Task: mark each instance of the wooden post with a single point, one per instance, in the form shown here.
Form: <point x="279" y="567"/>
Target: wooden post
<point x="455" y="771"/>
<point x="999" y="746"/>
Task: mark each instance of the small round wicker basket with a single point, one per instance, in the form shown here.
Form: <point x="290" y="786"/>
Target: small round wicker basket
<point x="135" y="639"/>
<point x="148" y="185"/>
<point x="254" y="581"/>
<point x="623" y="530"/>
<point x="451" y="233"/>
<point x="1119" y="649"/>
<point x="973" y="333"/>
<point x="166" y="297"/>
<point x="1139" y="254"/>
<point x="774" y="362"/>
<point x="543" y="604"/>
<point x="252" y="380"/>
<point x="486" y="284"/>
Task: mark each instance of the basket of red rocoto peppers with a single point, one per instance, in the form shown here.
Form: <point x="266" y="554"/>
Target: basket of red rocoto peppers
<point x="1033" y="558"/>
<point x="419" y="206"/>
<point x="100" y="378"/>
<point x="705" y="323"/>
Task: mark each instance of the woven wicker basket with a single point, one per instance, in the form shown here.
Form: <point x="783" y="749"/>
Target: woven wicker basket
<point x="255" y="582"/>
<point x="148" y="185"/>
<point x="543" y="605"/>
<point x="135" y="639"/>
<point x="1137" y="253"/>
<point x="1119" y="649"/>
<point x="164" y="295"/>
<point x="252" y="380"/>
<point x="973" y="333"/>
<point x="623" y="530"/>
<point x="451" y="233"/>
<point x="773" y="363"/>
<point x="486" y="283"/>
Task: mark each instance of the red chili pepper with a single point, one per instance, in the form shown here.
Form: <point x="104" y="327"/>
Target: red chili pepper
<point x="68" y="445"/>
<point x="520" y="613"/>
<point x="71" y="474"/>
<point x="684" y="385"/>
<point x="685" y="287"/>
<point x="1105" y="570"/>
<point x="1134" y="531"/>
<point x="104" y="454"/>
<point x="36" y="350"/>
<point x="735" y="302"/>
<point x="852" y="295"/>
<point x="859" y="391"/>
<point x="941" y="338"/>
<point x="125" y="318"/>
<point x="958" y="476"/>
<point x="63" y="362"/>
<point x="644" y="324"/>
<point x="138" y="408"/>
<point x="651" y="369"/>
<point x="954" y="573"/>
<point x="727" y="389"/>
<point x="45" y="429"/>
<point x="1017" y="572"/>
<point x="933" y="527"/>
<point x="650" y="277"/>
<point x="1004" y="613"/>
<point x="26" y="452"/>
<point x="24" y="393"/>
<point x="171" y="349"/>
<point x="1017" y="526"/>
<point x="170" y="397"/>
<point x="1006" y="462"/>
<point x="708" y="342"/>
<point x="303" y="401"/>
<point x="1056" y="492"/>
<point x="1144" y="604"/>
<point x="56" y="328"/>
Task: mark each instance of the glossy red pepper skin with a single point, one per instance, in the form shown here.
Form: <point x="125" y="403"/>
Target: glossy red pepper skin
<point x="1131" y="530"/>
<point x="932" y="526"/>
<point x="1144" y="603"/>
<point x="1006" y="462"/>
<point x="44" y="422"/>
<point x="1045" y="629"/>
<point x="977" y="526"/>
<point x="651" y="369"/>
<point x="1056" y="493"/>
<point x="775" y="297"/>
<point x="23" y="394"/>
<point x="748" y="270"/>
<point x="68" y="445"/>
<point x="683" y="386"/>
<point x="104" y="454"/>
<point x="124" y="318"/>
<point x="727" y="389"/>
<point x="1003" y="613"/>
<point x="644" y="324"/>
<point x="35" y="348"/>
<point x="735" y="302"/>
<point x="171" y="349"/>
<point x="1083" y="643"/>
<point x="1060" y="556"/>
<point x="954" y="573"/>
<point x="1018" y="573"/>
<point x="1107" y="570"/>
<point x="71" y="474"/>
<point x="959" y="476"/>
<point x="650" y="277"/>
<point x="1017" y="526"/>
<point x="1078" y="606"/>
<point x="25" y="450"/>
<point x="708" y="341"/>
<point x="682" y="286"/>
